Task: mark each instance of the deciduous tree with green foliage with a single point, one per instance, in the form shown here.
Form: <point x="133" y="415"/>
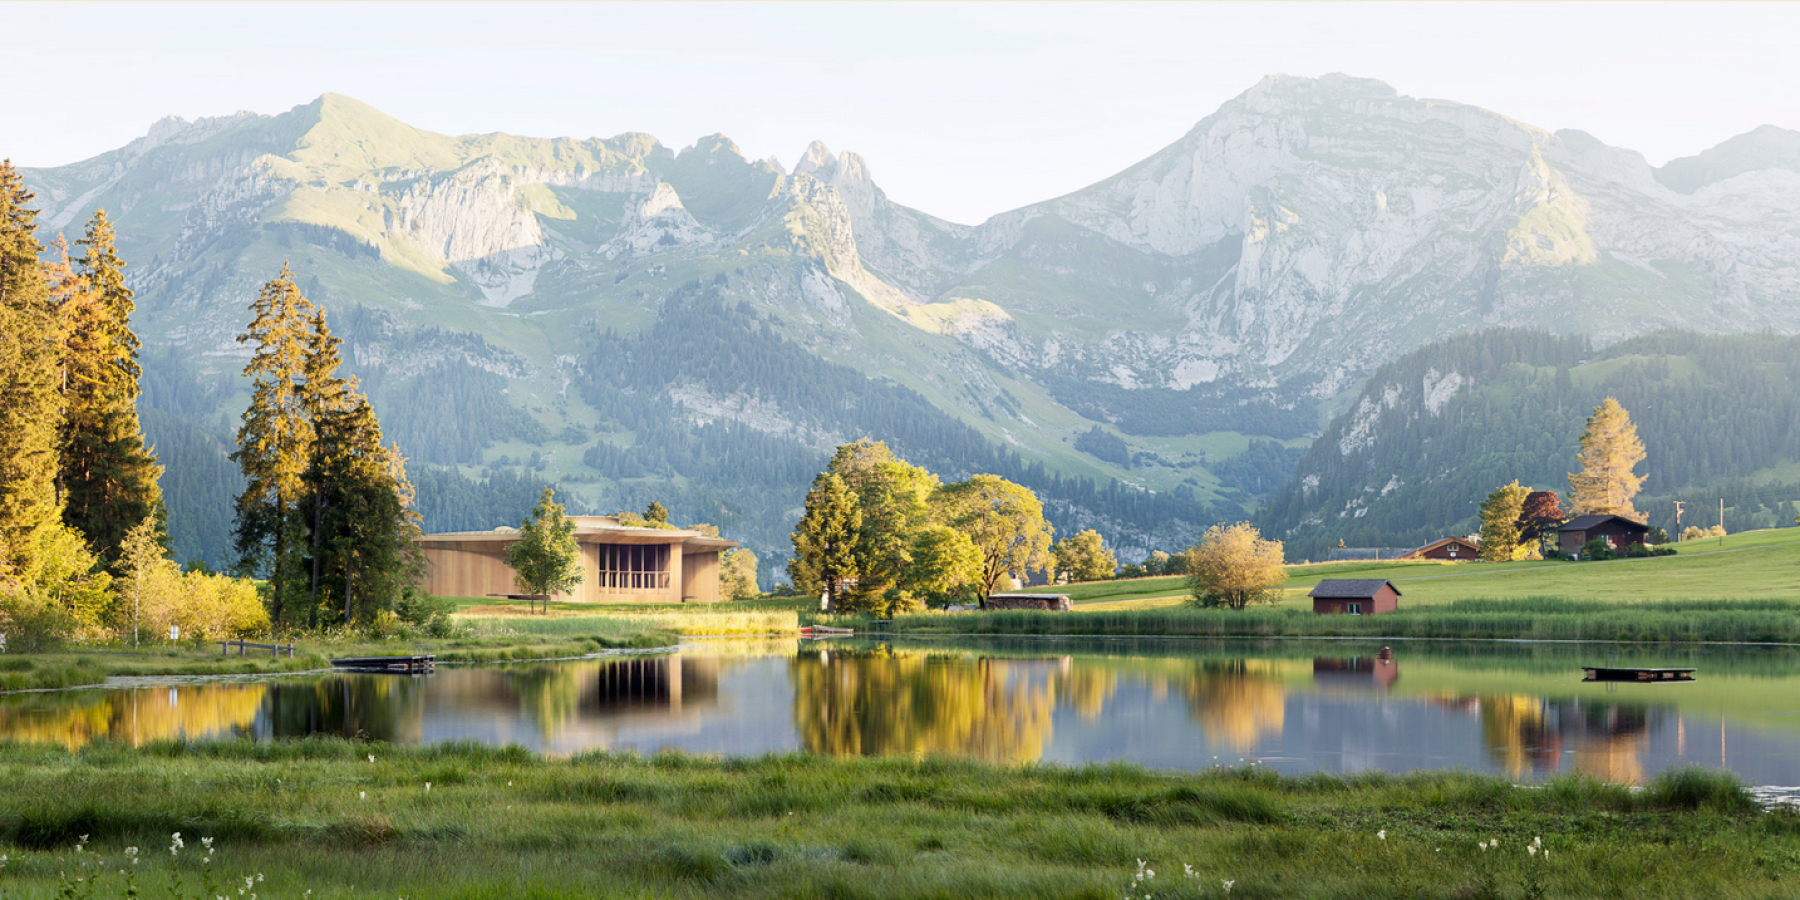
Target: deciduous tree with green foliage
<point x="945" y="567"/>
<point x="1610" y="450"/>
<point x="892" y="496"/>
<point x="1005" y="522"/>
<point x="825" y="552"/>
<point x="1233" y="567"/>
<point x="1084" y="557"/>
<point x="737" y="574"/>
<point x="545" y="559"/>
<point x="1500" y="523"/>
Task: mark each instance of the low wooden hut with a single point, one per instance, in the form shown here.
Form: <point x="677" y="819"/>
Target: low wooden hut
<point x="1053" y="602"/>
<point x="1355" y="596"/>
<point x="1618" y="532"/>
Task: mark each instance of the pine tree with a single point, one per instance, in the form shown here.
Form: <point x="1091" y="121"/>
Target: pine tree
<point x="108" y="477"/>
<point x="275" y="443"/>
<point x="1610" y="449"/>
<point x="30" y="414"/>
<point x="825" y="558"/>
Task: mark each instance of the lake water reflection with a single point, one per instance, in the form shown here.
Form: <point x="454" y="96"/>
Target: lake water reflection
<point x="1517" y="710"/>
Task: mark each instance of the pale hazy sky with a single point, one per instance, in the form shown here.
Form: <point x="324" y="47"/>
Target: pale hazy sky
<point x="962" y="110"/>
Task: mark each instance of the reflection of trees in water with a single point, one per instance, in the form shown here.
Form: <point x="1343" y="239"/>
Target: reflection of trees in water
<point x="375" y="707"/>
<point x="1085" y="687"/>
<point x="135" y="716"/>
<point x="1532" y="734"/>
<point x="867" y="703"/>
<point x="1237" y="701"/>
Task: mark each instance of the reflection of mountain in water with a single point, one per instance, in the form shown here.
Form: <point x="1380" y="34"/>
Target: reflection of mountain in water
<point x="134" y="716"/>
<point x="1534" y="734"/>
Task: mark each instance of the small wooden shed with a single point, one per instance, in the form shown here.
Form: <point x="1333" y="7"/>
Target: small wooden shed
<point x="1355" y="596"/>
<point x="1448" y="549"/>
<point x="1052" y="602"/>
<point x="1618" y="531"/>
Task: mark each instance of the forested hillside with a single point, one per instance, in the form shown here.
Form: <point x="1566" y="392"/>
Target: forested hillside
<point x="1437" y="429"/>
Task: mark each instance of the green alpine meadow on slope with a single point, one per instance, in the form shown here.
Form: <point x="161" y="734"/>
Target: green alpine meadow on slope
<point x="328" y="818"/>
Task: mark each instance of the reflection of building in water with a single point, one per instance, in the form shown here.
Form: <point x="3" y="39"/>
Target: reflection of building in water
<point x="1355" y="672"/>
<point x="136" y="716"/>
<point x="1525" y="733"/>
<point x="645" y="688"/>
<point x="1238" y="701"/>
<point x="877" y="702"/>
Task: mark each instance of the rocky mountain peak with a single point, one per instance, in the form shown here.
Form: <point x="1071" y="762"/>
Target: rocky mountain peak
<point x="1767" y="147"/>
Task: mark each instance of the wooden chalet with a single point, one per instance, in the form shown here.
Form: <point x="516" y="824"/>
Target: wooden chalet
<point x="1449" y="549"/>
<point x="618" y="563"/>
<point x="1355" y="596"/>
<point x="1618" y="532"/>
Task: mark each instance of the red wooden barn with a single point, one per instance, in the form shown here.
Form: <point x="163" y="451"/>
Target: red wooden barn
<point x="1450" y="549"/>
<point x="1355" y="596"/>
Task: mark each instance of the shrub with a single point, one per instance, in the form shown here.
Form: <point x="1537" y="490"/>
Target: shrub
<point x="1597" y="549"/>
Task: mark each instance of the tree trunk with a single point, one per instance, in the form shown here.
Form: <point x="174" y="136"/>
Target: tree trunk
<point x="312" y="610"/>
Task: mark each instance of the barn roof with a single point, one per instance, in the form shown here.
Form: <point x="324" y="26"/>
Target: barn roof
<point x="1352" y="588"/>
<point x="1583" y="523"/>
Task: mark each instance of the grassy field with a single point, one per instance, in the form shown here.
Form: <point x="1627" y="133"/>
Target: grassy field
<point x="1752" y="565"/>
<point x="336" y="819"/>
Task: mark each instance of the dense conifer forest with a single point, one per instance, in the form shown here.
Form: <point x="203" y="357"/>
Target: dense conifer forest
<point x="1437" y="429"/>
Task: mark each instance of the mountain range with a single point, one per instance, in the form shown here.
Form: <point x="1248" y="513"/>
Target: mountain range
<point x="1153" y="353"/>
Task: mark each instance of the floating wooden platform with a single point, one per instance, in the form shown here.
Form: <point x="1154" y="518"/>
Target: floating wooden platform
<point x="1633" y="674"/>
<point x="406" y="665"/>
<point x="826" y="631"/>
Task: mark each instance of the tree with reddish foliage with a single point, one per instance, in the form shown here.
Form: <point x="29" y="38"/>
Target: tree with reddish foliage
<point x="1540" y="516"/>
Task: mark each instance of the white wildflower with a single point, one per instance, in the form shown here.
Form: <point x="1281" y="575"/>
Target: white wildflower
<point x="427" y="787"/>
<point x="1228" y="883"/>
<point x="1382" y="834"/>
<point x="371" y="757"/>
<point x="1531" y="850"/>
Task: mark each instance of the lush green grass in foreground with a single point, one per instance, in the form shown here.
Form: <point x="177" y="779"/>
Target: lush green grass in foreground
<point x="321" y="816"/>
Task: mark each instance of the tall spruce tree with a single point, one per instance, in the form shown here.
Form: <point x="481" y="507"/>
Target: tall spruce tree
<point x="30" y="405"/>
<point x="108" y="477"/>
<point x="358" y="506"/>
<point x="825" y="550"/>
<point x="1610" y="449"/>
<point x="275" y="445"/>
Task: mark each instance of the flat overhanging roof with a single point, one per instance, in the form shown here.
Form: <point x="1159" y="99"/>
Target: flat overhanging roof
<point x="602" y="535"/>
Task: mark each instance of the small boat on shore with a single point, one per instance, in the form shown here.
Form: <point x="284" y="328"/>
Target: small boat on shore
<point x="1636" y="674"/>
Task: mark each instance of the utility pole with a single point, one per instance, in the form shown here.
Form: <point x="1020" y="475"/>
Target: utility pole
<point x="1721" y="521"/>
<point x="1678" y="505"/>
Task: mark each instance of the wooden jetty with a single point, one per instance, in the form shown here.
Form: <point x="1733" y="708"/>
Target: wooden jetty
<point x="826" y="631"/>
<point x="403" y="665"/>
<point x="1637" y="674"/>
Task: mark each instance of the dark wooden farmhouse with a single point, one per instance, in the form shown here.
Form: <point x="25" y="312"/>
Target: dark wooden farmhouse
<point x="1355" y="596"/>
<point x="1450" y="549"/>
<point x="1618" y="532"/>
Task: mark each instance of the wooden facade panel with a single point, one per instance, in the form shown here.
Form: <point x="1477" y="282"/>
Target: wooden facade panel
<point x="460" y="571"/>
<point x="700" y="576"/>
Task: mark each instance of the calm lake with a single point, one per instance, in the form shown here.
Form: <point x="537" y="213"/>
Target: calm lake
<point x="1518" y="710"/>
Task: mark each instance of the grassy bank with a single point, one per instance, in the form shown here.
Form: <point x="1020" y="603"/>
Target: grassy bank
<point x="1531" y="618"/>
<point x="321" y="816"/>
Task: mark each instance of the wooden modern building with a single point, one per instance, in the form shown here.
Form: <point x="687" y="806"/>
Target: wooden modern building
<point x="1450" y="549"/>
<point x="1618" y="532"/>
<point x="618" y="563"/>
<point x="1355" y="596"/>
